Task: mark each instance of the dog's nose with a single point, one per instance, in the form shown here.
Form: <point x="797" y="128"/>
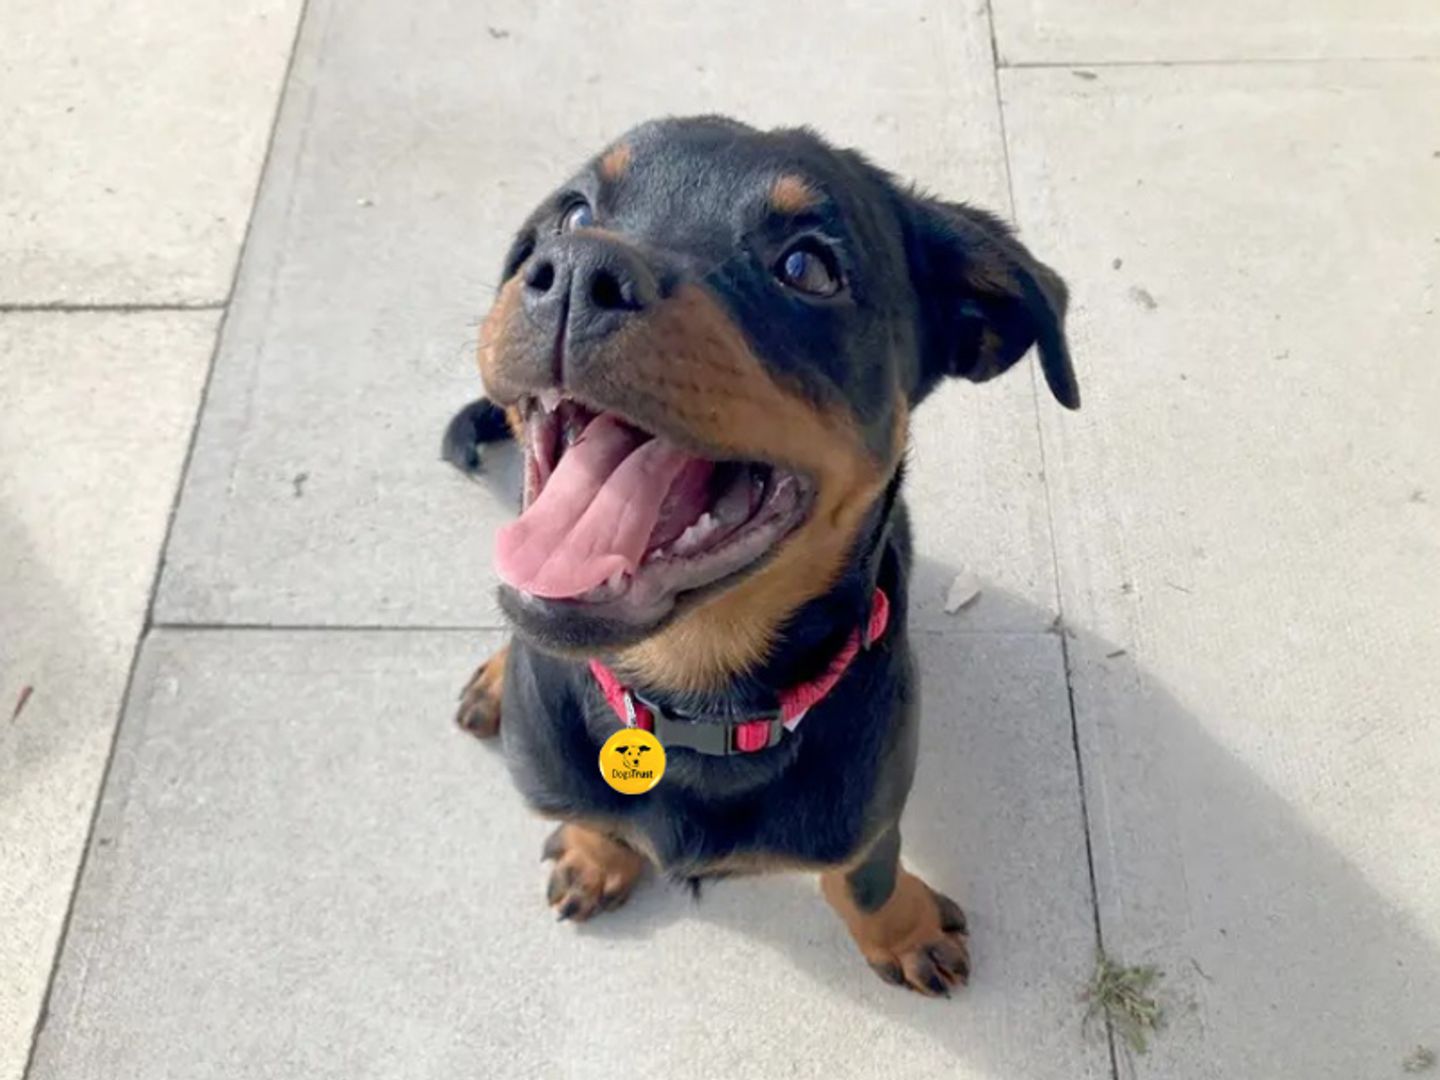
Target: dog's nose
<point x="591" y="282"/>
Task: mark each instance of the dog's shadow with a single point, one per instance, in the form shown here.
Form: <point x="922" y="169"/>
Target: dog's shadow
<point x="1272" y="944"/>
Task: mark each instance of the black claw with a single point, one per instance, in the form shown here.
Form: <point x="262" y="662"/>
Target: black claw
<point x="891" y="973"/>
<point x="936" y="985"/>
<point x="568" y="909"/>
<point x="611" y="901"/>
<point x="951" y="962"/>
<point x="952" y="918"/>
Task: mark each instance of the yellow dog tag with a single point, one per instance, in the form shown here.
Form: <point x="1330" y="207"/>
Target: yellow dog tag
<point x="632" y="761"/>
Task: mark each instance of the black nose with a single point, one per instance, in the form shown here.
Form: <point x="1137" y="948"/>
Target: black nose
<point x="591" y="283"/>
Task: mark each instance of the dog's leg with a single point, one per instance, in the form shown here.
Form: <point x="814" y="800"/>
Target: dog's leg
<point x="479" y="711"/>
<point x="593" y="872"/>
<point x="911" y="935"/>
<point x="478" y="423"/>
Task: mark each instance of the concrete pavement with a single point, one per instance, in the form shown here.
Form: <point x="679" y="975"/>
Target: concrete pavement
<point x="298" y="868"/>
<point x="130" y="150"/>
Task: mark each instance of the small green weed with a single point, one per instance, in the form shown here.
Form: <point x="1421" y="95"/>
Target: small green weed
<point x="1123" y="995"/>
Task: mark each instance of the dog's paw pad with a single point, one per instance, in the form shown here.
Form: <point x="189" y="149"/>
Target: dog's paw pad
<point x="933" y="955"/>
<point x="933" y="967"/>
<point x="480" y="716"/>
<point x="479" y="711"/>
<point x="592" y="872"/>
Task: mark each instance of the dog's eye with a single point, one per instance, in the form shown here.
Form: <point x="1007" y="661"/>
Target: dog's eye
<point x="809" y="269"/>
<point x="579" y="216"/>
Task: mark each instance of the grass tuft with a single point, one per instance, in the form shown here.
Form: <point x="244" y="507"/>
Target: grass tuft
<point x="1421" y="1059"/>
<point x="1123" y="996"/>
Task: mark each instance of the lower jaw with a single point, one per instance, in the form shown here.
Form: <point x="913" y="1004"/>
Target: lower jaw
<point x="581" y="629"/>
<point x="570" y="628"/>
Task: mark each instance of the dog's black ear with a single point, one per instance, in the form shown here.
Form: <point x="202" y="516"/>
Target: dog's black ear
<point x="984" y="299"/>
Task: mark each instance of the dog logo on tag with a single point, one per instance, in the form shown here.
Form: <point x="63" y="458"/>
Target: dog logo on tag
<point x="632" y="761"/>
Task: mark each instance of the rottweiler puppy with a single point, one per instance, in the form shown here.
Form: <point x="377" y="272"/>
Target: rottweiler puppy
<point x="709" y="343"/>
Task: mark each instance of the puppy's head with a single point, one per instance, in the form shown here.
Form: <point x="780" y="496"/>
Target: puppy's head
<point x="710" y="340"/>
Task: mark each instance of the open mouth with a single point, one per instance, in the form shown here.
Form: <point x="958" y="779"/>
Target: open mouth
<point x="621" y="517"/>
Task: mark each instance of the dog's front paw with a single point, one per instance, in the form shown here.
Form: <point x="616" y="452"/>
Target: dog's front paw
<point x="916" y="939"/>
<point x="932" y="957"/>
<point x="479" y="711"/>
<point x="592" y="872"/>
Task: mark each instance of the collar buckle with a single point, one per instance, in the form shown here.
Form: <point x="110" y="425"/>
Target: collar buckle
<point x="717" y="738"/>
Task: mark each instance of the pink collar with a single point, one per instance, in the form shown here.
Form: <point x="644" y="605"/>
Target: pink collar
<point x="742" y="736"/>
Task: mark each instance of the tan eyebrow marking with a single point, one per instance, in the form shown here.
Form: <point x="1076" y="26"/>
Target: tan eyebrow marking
<point x="791" y="194"/>
<point x="615" y="162"/>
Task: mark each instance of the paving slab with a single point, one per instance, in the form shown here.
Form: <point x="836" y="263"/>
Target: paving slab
<point x="133" y="140"/>
<point x="1249" y="507"/>
<point x="1148" y="31"/>
<point x="96" y="419"/>
<point x="301" y="868"/>
<point x="413" y="140"/>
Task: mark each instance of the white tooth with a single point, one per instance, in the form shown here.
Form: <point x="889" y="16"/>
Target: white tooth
<point x="616" y="580"/>
<point x="697" y="533"/>
<point x="550" y="399"/>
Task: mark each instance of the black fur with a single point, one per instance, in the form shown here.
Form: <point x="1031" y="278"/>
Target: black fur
<point x="478" y="423"/>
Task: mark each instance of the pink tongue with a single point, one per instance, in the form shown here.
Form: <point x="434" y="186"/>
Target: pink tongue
<point x="594" y="515"/>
